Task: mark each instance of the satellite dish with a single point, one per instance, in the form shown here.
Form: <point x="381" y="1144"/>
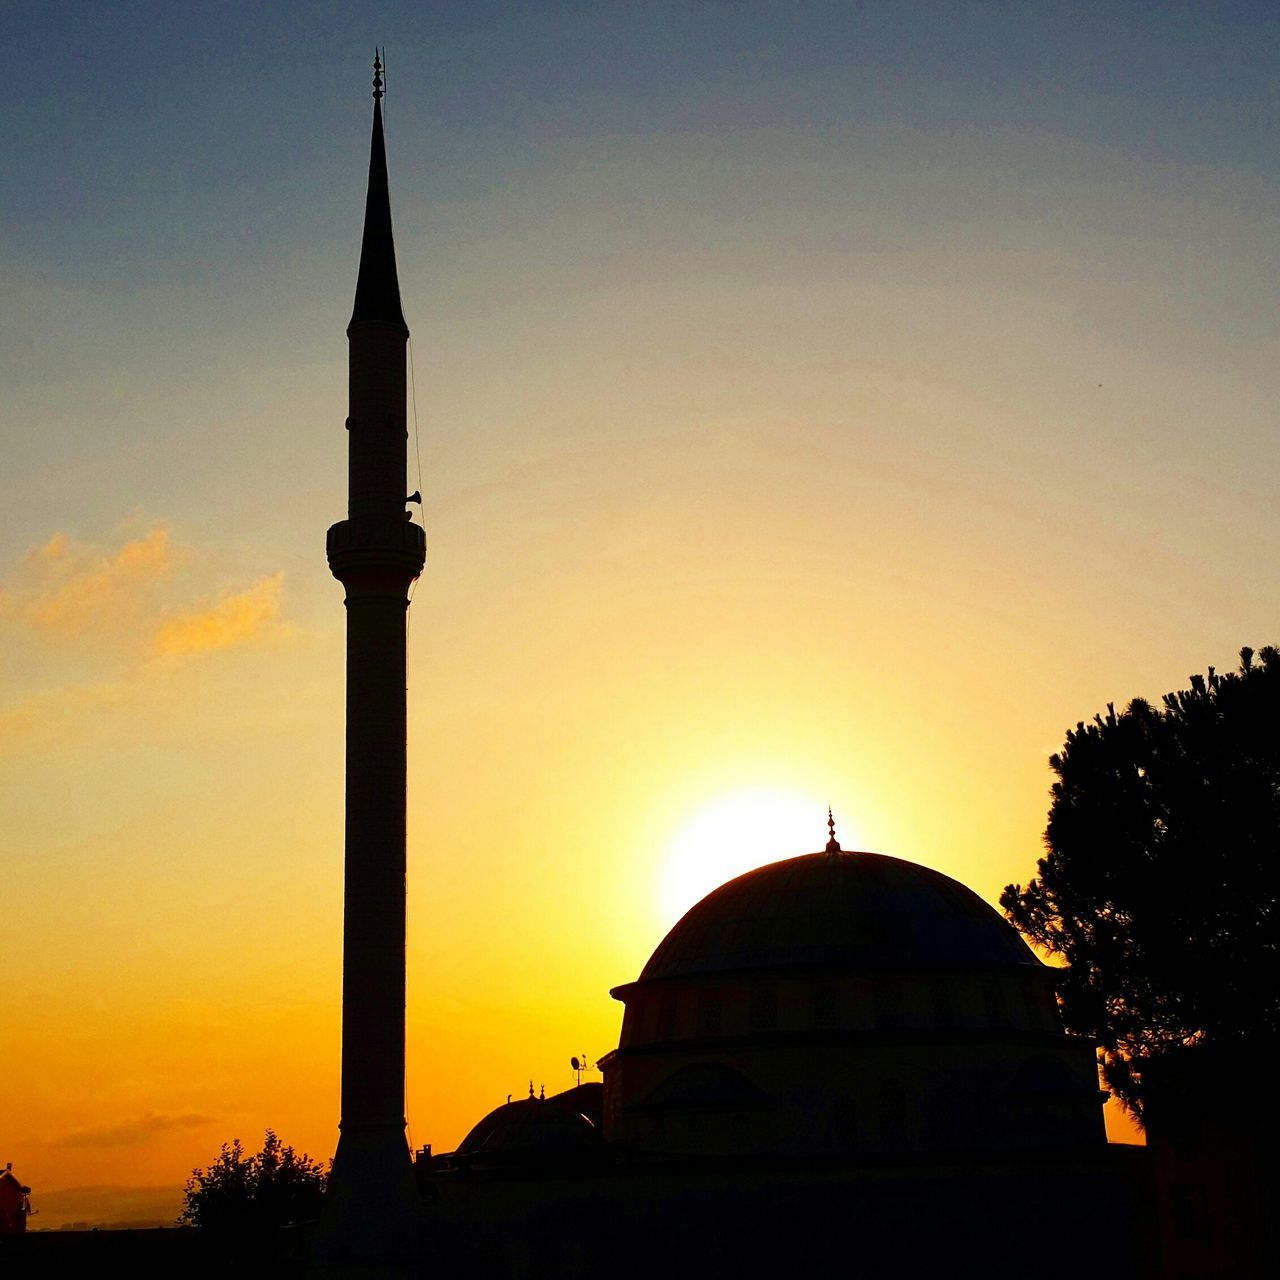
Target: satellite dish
<point x="575" y="1064"/>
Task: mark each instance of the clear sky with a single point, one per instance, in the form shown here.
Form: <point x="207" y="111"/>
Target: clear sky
<point x="834" y="400"/>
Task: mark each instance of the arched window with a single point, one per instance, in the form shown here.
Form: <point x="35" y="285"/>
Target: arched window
<point x="667" y="1017"/>
<point x="824" y="1004"/>
<point x="709" y="1013"/>
<point x="764" y="1007"/>
<point x="944" y="1004"/>
<point x="899" y="1117"/>
<point x="887" y="994"/>
<point x="993" y="1001"/>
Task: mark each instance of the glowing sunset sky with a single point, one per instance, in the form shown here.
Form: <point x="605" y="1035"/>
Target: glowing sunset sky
<point x="837" y="400"/>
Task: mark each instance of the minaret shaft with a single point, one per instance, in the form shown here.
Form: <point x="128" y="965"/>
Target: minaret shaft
<point x="373" y="935"/>
<point x="373" y="943"/>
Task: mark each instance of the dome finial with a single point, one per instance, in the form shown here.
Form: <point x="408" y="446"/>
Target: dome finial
<point x="833" y="845"/>
<point x="377" y="74"/>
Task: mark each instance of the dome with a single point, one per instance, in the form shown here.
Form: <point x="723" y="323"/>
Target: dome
<point x="545" y="1125"/>
<point x="853" y="910"/>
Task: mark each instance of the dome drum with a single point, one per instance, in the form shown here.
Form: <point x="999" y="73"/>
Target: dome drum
<point x="832" y="1001"/>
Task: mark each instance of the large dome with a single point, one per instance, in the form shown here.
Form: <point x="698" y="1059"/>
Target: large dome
<point x="857" y="910"/>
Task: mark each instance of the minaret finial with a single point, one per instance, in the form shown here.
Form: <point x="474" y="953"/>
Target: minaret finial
<point x="377" y="285"/>
<point x="833" y="845"/>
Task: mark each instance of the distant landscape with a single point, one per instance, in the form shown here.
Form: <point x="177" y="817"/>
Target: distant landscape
<point x="109" y="1207"/>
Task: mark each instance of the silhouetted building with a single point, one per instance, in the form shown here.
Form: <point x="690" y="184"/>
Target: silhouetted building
<point x="15" y="1203"/>
<point x="843" y="1062"/>
<point x="1213" y="1129"/>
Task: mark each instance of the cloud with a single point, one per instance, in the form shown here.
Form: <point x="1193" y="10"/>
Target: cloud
<point x="96" y="629"/>
<point x="235" y="619"/>
<point x="121" y="598"/>
<point x="65" y="588"/>
<point x="132" y="1133"/>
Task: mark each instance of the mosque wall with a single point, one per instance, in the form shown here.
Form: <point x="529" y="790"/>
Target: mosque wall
<point x="835" y="1094"/>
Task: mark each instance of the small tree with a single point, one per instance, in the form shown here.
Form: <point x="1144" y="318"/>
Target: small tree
<point x="1161" y="885"/>
<point x="239" y="1193"/>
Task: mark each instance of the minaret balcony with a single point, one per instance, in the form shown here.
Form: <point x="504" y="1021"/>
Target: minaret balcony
<point x="378" y="553"/>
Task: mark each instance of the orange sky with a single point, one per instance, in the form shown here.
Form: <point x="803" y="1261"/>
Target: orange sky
<point x="805" y="443"/>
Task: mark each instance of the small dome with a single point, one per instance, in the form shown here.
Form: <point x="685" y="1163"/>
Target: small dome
<point x="542" y="1125"/>
<point x="854" y="910"/>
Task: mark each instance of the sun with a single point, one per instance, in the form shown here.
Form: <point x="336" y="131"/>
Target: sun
<point x="733" y="833"/>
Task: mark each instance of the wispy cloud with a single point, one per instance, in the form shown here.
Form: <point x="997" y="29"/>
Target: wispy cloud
<point x="239" y="618"/>
<point x="100" y="627"/>
<point x="67" y="588"/>
<point x="132" y="1133"/>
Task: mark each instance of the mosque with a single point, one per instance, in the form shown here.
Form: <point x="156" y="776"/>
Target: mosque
<point x="841" y="1062"/>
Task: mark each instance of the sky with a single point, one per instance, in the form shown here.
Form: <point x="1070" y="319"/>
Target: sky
<point x="815" y="404"/>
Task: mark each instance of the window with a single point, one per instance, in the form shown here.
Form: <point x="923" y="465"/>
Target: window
<point x="899" y="1120"/>
<point x="709" y="1015"/>
<point x="764" y="1007"/>
<point x="845" y="1120"/>
<point x="944" y="1005"/>
<point x="667" y="1017"/>
<point x="1191" y="1211"/>
<point x="887" y="994"/>
<point x="940" y="1117"/>
<point x="1033" y="1003"/>
<point x="825" y="1005"/>
<point x="994" y="1003"/>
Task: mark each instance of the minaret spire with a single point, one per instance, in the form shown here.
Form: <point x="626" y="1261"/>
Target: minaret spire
<point x="373" y="1213"/>
<point x="377" y="284"/>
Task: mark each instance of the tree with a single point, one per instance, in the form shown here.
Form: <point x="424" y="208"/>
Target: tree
<point x="1161" y="883"/>
<point x="239" y="1193"/>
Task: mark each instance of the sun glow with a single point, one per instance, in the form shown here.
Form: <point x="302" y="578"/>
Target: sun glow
<point x="734" y="833"/>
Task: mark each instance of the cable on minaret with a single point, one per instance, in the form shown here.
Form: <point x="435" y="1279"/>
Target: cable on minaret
<point x="833" y="845"/>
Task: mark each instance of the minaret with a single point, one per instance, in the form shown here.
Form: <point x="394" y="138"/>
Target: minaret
<point x="373" y="1211"/>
